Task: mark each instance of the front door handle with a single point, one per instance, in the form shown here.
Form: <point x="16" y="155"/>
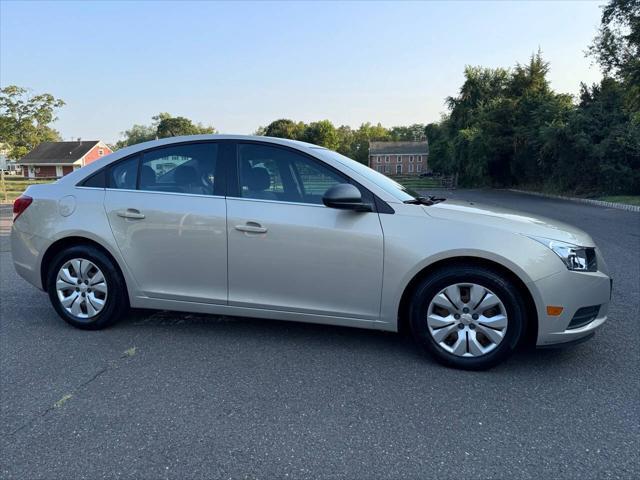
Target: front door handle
<point x="130" y="213"/>
<point x="251" y="227"/>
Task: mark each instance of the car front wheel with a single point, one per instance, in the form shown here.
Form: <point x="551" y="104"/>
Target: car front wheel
<point x="467" y="317"/>
<point x="86" y="289"/>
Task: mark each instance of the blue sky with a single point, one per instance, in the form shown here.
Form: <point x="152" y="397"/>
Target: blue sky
<point x="240" y="65"/>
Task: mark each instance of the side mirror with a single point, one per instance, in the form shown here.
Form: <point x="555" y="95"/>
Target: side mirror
<point x="345" y="196"/>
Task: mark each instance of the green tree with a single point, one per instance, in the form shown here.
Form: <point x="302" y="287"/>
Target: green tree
<point x="346" y="140"/>
<point x="475" y="128"/>
<point x="137" y="134"/>
<point x="285" y="128"/>
<point x="365" y="134"/>
<point x="535" y="107"/>
<point x="25" y="119"/>
<point x="495" y="131"/>
<point x="163" y="125"/>
<point x="617" y="46"/>
<point x="176" y="126"/>
<point x="481" y="86"/>
<point x="321" y="133"/>
<point x="598" y="149"/>
<point x="412" y="133"/>
<point x="440" y="147"/>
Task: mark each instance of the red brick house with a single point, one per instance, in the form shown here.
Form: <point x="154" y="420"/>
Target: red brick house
<point x="56" y="159"/>
<point x="399" y="158"/>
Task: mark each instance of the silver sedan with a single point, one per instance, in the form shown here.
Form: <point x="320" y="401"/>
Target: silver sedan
<point x="279" y="229"/>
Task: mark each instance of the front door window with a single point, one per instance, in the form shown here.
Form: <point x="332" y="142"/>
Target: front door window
<point x="272" y="173"/>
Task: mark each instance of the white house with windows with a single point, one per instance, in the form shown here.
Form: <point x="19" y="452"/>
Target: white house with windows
<point x="399" y="158"/>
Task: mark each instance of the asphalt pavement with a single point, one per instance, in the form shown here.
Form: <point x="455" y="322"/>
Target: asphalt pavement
<point x="166" y="395"/>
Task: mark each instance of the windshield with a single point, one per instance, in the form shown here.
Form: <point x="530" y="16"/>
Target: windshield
<point x="388" y="185"/>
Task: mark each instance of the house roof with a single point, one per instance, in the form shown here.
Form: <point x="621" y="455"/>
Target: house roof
<point x="58" y="152"/>
<point x="393" y="148"/>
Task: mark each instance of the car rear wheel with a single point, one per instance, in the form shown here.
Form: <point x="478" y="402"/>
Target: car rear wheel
<point x="86" y="289"/>
<point x="467" y="317"/>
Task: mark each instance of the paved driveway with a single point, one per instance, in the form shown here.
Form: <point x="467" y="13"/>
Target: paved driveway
<point x="164" y="395"/>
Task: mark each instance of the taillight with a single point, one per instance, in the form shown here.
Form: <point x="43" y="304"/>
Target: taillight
<point x="20" y="205"/>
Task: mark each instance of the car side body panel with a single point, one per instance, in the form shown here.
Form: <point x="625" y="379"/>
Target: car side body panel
<point x="179" y="249"/>
<point x="310" y="259"/>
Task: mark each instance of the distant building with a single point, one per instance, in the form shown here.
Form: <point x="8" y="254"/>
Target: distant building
<point x="8" y="166"/>
<point x="399" y="158"/>
<point x="56" y="159"/>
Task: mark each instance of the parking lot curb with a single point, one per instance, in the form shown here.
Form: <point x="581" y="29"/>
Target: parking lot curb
<point x="599" y="203"/>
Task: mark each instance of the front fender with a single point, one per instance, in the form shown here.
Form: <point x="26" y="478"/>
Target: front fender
<point x="433" y="240"/>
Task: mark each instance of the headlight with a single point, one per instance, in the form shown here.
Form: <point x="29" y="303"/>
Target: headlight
<point x="582" y="259"/>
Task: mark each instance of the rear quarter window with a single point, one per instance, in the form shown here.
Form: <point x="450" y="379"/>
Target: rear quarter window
<point x="97" y="180"/>
<point x="124" y="175"/>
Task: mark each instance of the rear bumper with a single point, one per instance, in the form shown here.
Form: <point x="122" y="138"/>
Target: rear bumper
<point x="25" y="250"/>
<point x="572" y="291"/>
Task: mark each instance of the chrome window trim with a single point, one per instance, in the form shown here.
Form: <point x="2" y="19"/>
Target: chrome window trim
<point x="245" y="199"/>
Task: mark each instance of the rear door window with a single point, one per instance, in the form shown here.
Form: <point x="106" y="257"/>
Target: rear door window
<point x="124" y="175"/>
<point x="187" y="168"/>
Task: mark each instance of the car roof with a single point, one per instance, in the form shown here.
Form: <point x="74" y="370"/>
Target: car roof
<point x="194" y="138"/>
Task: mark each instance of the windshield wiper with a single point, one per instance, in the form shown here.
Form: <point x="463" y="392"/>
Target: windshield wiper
<point x="430" y="200"/>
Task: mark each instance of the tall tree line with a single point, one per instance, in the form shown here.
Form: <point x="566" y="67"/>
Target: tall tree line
<point x="353" y="143"/>
<point x="508" y="127"/>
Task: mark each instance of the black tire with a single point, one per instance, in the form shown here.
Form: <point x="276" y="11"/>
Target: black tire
<point x="511" y="298"/>
<point x="117" y="301"/>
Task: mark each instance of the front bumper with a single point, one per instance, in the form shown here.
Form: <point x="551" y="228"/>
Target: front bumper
<point x="572" y="291"/>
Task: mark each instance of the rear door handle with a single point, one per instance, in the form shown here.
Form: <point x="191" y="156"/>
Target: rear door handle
<point x="130" y="213"/>
<point x="251" y="227"/>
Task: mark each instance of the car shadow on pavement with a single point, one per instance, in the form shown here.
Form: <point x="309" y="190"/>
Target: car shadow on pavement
<point x="333" y="339"/>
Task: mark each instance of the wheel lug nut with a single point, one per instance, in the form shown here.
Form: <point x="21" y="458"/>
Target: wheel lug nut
<point x="472" y="326"/>
<point x="461" y="326"/>
<point x="456" y="316"/>
<point x="465" y="310"/>
<point x="475" y="316"/>
<point x="77" y="289"/>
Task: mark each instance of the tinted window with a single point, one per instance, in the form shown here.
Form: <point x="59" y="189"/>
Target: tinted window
<point x="384" y="182"/>
<point x="271" y="173"/>
<point x="182" y="168"/>
<point x="96" y="180"/>
<point x="124" y="174"/>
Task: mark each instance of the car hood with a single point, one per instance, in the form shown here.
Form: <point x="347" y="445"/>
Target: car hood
<point x="510" y="220"/>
